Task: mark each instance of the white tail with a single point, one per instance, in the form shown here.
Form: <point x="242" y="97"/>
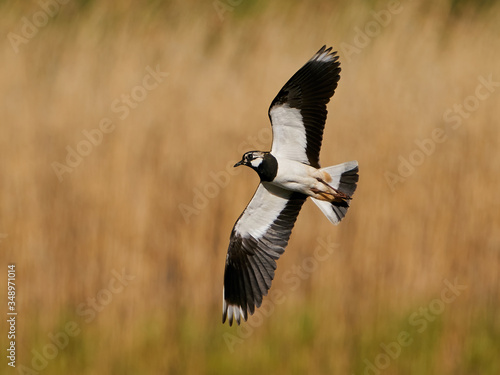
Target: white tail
<point x="344" y="179"/>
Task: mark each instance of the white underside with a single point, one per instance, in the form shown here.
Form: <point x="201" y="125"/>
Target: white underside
<point x="302" y="178"/>
<point x="299" y="177"/>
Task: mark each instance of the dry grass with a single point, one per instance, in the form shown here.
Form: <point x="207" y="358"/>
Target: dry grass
<point x="119" y="208"/>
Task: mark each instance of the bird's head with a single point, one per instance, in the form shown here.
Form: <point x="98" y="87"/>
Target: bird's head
<point x="252" y="159"/>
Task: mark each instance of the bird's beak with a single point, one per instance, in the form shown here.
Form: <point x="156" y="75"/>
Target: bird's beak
<point x="238" y="163"/>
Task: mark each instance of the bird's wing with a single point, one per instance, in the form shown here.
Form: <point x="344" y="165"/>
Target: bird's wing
<point x="298" y="112"/>
<point x="258" y="239"/>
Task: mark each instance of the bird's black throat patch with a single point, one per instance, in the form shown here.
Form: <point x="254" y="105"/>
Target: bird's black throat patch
<point x="268" y="169"/>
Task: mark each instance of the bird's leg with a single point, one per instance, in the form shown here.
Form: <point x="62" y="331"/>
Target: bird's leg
<point x="337" y="194"/>
<point x="323" y="194"/>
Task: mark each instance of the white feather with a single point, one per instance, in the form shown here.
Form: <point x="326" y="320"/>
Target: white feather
<point x="326" y="208"/>
<point x="323" y="57"/>
<point x="335" y="173"/>
<point x="265" y="206"/>
<point x="289" y="134"/>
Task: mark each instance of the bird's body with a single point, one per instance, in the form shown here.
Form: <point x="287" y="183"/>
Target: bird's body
<point x="289" y="174"/>
<point x="293" y="176"/>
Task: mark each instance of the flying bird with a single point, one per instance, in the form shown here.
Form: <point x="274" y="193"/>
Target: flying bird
<point x="289" y="173"/>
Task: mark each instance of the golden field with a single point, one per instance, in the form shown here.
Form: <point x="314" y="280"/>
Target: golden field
<point x="120" y="121"/>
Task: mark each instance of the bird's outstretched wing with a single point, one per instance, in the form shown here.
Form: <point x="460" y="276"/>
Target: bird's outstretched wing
<point x="298" y="112"/>
<point x="258" y="239"/>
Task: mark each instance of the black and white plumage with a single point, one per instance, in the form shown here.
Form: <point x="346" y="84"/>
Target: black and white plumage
<point x="289" y="174"/>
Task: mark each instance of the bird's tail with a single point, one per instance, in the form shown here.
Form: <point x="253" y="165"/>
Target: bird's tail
<point x="344" y="179"/>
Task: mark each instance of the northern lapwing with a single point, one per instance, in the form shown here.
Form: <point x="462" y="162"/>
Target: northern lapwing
<point x="289" y="173"/>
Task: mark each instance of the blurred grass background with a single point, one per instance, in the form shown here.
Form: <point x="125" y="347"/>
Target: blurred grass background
<point x="121" y="207"/>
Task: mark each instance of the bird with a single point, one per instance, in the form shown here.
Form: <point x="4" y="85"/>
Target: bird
<point x="289" y="174"/>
